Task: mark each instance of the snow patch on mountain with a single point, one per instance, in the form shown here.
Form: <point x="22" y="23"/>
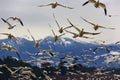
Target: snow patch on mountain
<point x="65" y="46"/>
<point x="113" y="57"/>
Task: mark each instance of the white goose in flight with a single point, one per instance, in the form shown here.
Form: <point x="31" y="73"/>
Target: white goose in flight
<point x="36" y="43"/>
<point x="16" y="19"/>
<point x="97" y="4"/>
<point x="61" y="29"/>
<point x="56" y="36"/>
<point x="54" y="5"/>
<point x="96" y="26"/>
<point x="10" y="36"/>
<point x="82" y="32"/>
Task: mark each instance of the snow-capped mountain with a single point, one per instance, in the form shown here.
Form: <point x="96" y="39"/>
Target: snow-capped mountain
<point x="89" y="54"/>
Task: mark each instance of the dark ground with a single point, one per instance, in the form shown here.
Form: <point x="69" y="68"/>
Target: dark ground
<point x="12" y="69"/>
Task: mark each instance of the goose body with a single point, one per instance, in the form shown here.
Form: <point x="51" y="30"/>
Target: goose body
<point x="54" y="5"/>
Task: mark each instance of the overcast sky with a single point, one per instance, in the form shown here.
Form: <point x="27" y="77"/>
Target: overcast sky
<point x="37" y="18"/>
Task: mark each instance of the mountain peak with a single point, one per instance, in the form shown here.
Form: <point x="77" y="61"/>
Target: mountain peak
<point x="84" y="50"/>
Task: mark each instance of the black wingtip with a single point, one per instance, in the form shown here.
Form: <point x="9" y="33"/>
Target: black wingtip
<point x="21" y="23"/>
<point x="85" y="3"/>
<point x="3" y="20"/>
<point x="105" y="11"/>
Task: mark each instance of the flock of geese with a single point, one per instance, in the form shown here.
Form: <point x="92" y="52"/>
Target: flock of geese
<point x="10" y="26"/>
<point x="62" y="30"/>
<point x="97" y="4"/>
<point x="81" y="32"/>
<point x="9" y="35"/>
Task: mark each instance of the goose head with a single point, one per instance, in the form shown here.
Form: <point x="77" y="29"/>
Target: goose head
<point x="97" y="4"/>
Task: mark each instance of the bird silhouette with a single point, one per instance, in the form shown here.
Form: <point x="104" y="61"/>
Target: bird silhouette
<point x="75" y="35"/>
<point x="50" y="52"/>
<point x="10" y="25"/>
<point x="82" y="32"/>
<point x="71" y="24"/>
<point x="56" y="36"/>
<point x="96" y="26"/>
<point x="10" y="36"/>
<point x="61" y="29"/>
<point x="16" y="19"/>
<point x="89" y="1"/>
<point x="10" y="48"/>
<point x="54" y="5"/>
<point x="97" y="4"/>
<point x="36" y="43"/>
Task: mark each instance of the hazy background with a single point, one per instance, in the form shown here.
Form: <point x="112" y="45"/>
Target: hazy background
<point x="37" y="18"/>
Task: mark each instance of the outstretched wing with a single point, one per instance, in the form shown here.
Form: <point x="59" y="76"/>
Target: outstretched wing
<point x="52" y="30"/>
<point x="10" y="26"/>
<point x="33" y="38"/>
<point x="5" y="33"/>
<point x="87" y="21"/>
<point x="89" y="1"/>
<point x="85" y="3"/>
<point x="77" y="29"/>
<point x="4" y="20"/>
<point x="15" y="18"/>
<point x="10" y="18"/>
<point x="31" y="35"/>
<point x="70" y="22"/>
<point x="56" y="22"/>
<point x="102" y="27"/>
<point x="106" y="27"/>
<point x="110" y="28"/>
<point x="75" y="35"/>
<point x="20" y="21"/>
<point x="91" y="33"/>
<point x="71" y="32"/>
<point x="104" y="7"/>
<point x="53" y="33"/>
<point x="46" y="5"/>
<point x="61" y="35"/>
<point x="67" y="27"/>
<point x="73" y="26"/>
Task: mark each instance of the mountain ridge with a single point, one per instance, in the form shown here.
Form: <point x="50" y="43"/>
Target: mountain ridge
<point x="65" y="46"/>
